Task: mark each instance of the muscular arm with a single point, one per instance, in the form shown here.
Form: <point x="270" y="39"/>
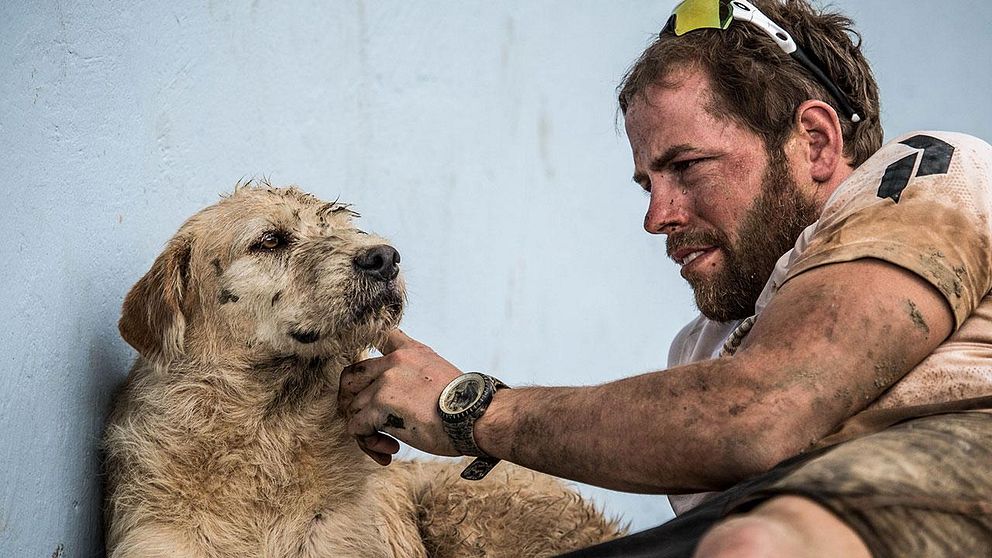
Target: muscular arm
<point x="830" y="342"/>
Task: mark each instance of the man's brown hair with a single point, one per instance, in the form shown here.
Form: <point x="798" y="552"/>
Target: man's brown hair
<point x="758" y="85"/>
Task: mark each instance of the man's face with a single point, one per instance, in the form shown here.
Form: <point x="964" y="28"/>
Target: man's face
<point x="729" y="208"/>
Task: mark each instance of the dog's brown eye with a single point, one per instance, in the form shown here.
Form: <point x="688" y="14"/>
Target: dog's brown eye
<point x="270" y="241"/>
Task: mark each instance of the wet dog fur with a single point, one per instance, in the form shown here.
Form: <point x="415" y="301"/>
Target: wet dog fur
<point x="225" y="440"/>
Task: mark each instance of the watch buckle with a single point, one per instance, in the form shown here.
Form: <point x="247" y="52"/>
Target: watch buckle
<point x="479" y="468"/>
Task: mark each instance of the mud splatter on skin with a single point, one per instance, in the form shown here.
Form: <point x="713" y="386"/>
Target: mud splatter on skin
<point x="917" y="317"/>
<point x="887" y="373"/>
<point x="393" y="421"/>
<point x="558" y="449"/>
<point x="701" y="384"/>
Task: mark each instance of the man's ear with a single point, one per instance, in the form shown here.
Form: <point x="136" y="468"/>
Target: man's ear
<point x="152" y="319"/>
<point x="819" y="126"/>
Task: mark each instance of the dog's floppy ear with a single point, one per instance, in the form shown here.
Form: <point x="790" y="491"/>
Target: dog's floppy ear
<point x="152" y="319"/>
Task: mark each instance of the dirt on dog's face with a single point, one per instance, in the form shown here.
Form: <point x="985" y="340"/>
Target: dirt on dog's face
<point x="266" y="272"/>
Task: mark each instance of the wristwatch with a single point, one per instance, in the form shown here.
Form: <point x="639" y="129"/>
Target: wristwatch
<point x="462" y="402"/>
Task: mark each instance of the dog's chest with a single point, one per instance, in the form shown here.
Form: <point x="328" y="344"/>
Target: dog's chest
<point x="343" y="529"/>
<point x="279" y="494"/>
<point x="349" y="530"/>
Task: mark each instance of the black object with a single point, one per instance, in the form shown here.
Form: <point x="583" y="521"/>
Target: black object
<point x="936" y="159"/>
<point x="379" y="262"/>
<point x="679" y="537"/>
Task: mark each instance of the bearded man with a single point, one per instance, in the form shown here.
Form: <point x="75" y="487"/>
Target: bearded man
<point x="834" y="397"/>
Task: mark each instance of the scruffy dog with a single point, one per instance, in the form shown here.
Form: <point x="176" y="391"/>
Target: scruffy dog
<point x="226" y="441"/>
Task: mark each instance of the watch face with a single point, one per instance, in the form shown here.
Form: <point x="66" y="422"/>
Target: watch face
<point x="462" y="394"/>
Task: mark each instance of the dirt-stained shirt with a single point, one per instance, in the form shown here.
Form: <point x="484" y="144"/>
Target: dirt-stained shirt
<point x="924" y="203"/>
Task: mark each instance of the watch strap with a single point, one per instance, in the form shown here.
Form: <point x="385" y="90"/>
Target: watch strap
<point x="462" y="436"/>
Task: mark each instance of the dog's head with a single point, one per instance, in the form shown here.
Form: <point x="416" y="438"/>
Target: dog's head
<point x="265" y="272"/>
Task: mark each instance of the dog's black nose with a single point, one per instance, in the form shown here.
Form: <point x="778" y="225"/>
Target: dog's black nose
<point x="379" y="262"/>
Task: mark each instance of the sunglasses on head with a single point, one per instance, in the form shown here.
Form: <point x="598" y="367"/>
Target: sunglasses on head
<point x="691" y="15"/>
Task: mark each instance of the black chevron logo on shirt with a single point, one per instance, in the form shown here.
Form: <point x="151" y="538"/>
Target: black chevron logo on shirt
<point x="936" y="160"/>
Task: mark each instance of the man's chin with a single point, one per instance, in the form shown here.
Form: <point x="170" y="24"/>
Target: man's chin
<point x="721" y="308"/>
<point x="717" y="300"/>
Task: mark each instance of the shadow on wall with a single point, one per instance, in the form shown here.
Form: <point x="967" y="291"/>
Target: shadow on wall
<point x="109" y="360"/>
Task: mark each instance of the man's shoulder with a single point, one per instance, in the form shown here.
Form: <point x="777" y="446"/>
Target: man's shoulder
<point x="923" y="202"/>
<point x="947" y="160"/>
<point x="933" y="144"/>
<point x="945" y="135"/>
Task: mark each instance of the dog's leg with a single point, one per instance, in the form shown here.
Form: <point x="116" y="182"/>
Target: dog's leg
<point x="395" y="499"/>
<point x="513" y="512"/>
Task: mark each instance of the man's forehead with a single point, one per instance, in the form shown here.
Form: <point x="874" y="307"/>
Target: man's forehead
<point x="664" y="125"/>
<point x="684" y="83"/>
<point x="678" y="113"/>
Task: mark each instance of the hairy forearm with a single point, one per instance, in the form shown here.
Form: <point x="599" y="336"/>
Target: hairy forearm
<point x="822" y="352"/>
<point x="674" y="431"/>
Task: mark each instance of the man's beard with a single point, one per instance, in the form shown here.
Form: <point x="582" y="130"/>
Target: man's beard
<point x="769" y="229"/>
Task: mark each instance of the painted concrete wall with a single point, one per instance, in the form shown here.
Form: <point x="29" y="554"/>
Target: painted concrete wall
<point x="479" y="136"/>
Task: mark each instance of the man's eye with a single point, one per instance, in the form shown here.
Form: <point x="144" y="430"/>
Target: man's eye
<point x="270" y="241"/>
<point x="682" y="166"/>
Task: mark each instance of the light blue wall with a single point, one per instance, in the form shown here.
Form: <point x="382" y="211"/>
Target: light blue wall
<point x="479" y="136"/>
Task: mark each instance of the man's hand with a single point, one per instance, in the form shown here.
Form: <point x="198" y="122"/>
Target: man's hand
<point x="397" y="394"/>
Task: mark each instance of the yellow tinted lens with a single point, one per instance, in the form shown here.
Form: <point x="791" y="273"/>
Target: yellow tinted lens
<point x="702" y="14"/>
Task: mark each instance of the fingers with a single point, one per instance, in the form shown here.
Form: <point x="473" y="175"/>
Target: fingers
<point x="364" y="400"/>
<point x="396" y="395"/>
<point x="395" y="340"/>
<point x="363" y="422"/>
<point x="379" y="447"/>
<point x="371" y="441"/>
<point x="357" y="377"/>
<point x="381" y="443"/>
<point x="375" y="444"/>
<point x="380" y="458"/>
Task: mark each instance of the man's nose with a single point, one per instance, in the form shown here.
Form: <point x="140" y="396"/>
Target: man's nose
<point x="666" y="211"/>
<point x="379" y="262"/>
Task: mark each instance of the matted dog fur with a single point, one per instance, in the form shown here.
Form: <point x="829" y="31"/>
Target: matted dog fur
<point x="226" y="440"/>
